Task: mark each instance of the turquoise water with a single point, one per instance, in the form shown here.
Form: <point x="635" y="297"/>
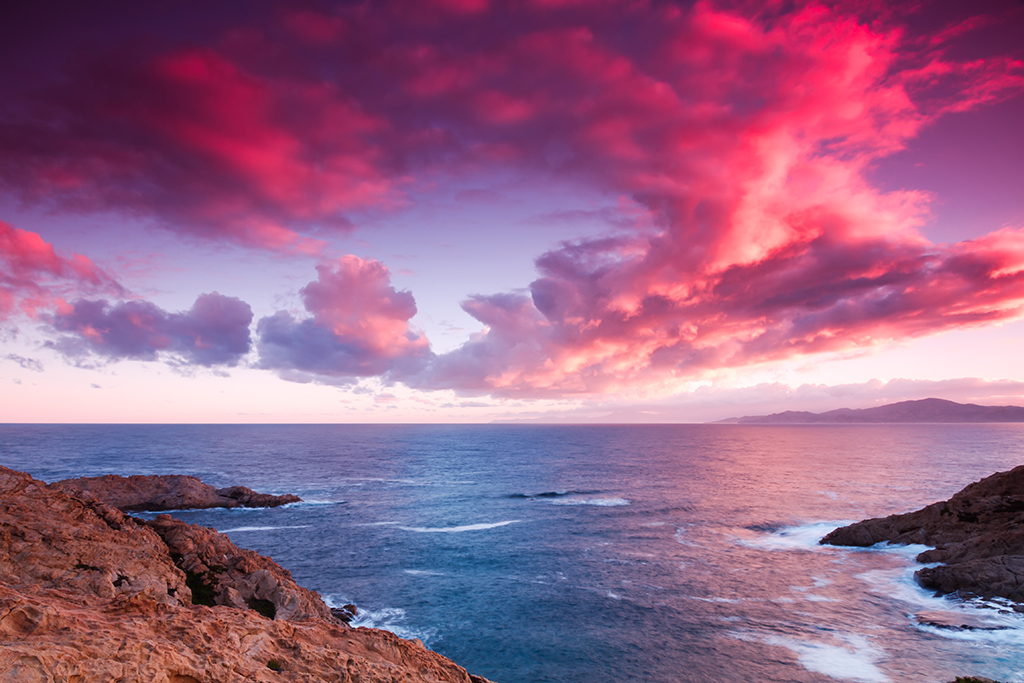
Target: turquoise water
<point x="595" y="553"/>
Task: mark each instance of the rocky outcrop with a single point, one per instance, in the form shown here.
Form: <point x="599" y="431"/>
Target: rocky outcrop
<point x="88" y="593"/>
<point x="51" y="540"/>
<point x="978" y="534"/>
<point x="221" y="573"/>
<point x="167" y="492"/>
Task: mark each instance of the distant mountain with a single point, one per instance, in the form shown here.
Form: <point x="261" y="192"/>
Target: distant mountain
<point x="925" y="410"/>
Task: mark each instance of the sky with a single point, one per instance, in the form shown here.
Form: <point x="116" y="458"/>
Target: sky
<point x="527" y="211"/>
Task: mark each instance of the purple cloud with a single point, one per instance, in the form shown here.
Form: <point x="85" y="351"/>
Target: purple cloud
<point x="215" y="331"/>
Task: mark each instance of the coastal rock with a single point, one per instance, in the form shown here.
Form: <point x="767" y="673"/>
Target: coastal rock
<point x="167" y="492"/>
<point x="43" y="637"/>
<point x="221" y="573"/>
<point x="88" y="593"/>
<point x="345" y="613"/>
<point x="978" y="534"/>
<point x="49" y="539"/>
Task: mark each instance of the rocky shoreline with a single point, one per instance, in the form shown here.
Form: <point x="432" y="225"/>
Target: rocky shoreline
<point x="90" y="593"/>
<point x="978" y="535"/>
<point x="155" y="493"/>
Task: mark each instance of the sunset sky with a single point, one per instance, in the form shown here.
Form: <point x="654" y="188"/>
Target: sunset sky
<point x="470" y="210"/>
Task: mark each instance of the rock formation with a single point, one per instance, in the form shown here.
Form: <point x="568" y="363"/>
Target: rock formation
<point x="978" y="534"/>
<point x="88" y="593"/>
<point x="167" y="492"/>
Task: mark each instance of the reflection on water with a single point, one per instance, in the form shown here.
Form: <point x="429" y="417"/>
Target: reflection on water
<point x="598" y="553"/>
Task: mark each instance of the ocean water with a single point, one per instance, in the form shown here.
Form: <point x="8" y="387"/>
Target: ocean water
<point x="592" y="554"/>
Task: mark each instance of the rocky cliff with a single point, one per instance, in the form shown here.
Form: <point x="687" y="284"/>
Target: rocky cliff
<point x="88" y="593"/>
<point x="978" y="534"/>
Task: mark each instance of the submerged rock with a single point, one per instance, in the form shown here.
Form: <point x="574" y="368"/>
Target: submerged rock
<point x="156" y="493"/>
<point x="978" y="534"/>
<point x="89" y="593"/>
<point x="956" y="622"/>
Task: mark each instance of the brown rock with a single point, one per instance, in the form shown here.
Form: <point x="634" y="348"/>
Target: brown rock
<point x="167" y="492"/>
<point x="90" y="594"/>
<point x="224" y="574"/>
<point x="44" y="638"/>
<point x="978" y="533"/>
<point x="248" y="498"/>
<point x="49" y="539"/>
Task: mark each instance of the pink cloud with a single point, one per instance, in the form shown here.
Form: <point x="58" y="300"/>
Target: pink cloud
<point x="40" y="282"/>
<point x="770" y="243"/>
<point x="742" y="132"/>
<point x="359" y="326"/>
<point x="34" y="276"/>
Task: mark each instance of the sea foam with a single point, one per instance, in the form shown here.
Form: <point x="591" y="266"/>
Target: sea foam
<point x="456" y="529"/>
<point x="600" y="502"/>
<point x="992" y="621"/>
<point x="262" y="528"/>
<point x="799" y="537"/>
<point x="393" y="619"/>
<point x="851" y="659"/>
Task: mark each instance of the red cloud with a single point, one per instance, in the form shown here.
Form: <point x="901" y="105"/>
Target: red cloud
<point x="748" y="144"/>
<point x="34" y="276"/>
<point x="359" y="326"/>
<point x="206" y="148"/>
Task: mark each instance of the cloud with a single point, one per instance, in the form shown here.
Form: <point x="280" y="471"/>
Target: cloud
<point x="39" y="282"/>
<point x="34" y="276"/>
<point x="711" y="403"/>
<point x="747" y="141"/>
<point x="26" y="363"/>
<point x="202" y="146"/>
<point x="739" y="135"/>
<point x="215" y="331"/>
<point x="359" y="327"/>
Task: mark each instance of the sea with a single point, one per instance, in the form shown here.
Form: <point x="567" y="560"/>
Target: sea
<point x="593" y="554"/>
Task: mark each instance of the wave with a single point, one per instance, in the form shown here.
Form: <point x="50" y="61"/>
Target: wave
<point x="553" y="494"/>
<point x="600" y="502"/>
<point x="457" y="529"/>
<point x="802" y="536"/>
<point x="852" y="658"/>
<point x="262" y="528"/>
<point x="991" y="621"/>
<point x="149" y="514"/>
<point x="313" y="502"/>
<point x="391" y="619"/>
